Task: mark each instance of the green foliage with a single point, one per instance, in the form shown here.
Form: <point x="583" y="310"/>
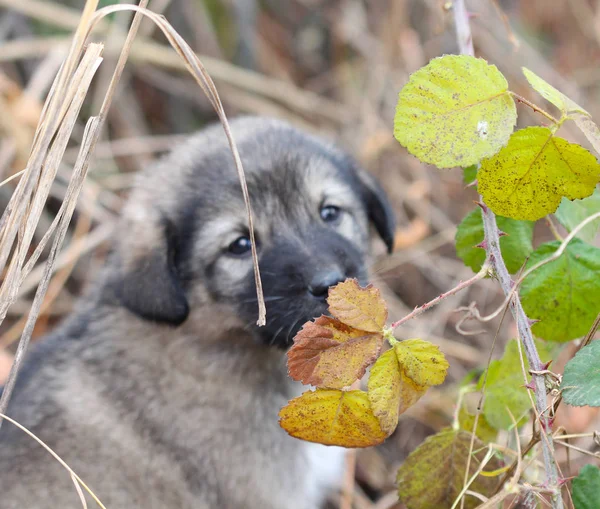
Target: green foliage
<point x="433" y="474"/>
<point x="515" y="246"/>
<point x="455" y="111"/>
<point x="564" y="294"/>
<point x="586" y="488"/>
<point x="470" y="173"/>
<point x="528" y="178"/>
<point x="581" y="379"/>
<point x="505" y="386"/>
<point x="505" y="390"/>
<point x="571" y="213"/>
<point x="485" y="431"/>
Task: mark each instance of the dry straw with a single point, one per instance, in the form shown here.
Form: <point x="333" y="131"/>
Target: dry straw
<point x="61" y="109"/>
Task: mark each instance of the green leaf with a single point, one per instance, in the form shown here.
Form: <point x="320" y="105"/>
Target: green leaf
<point x="432" y="476"/>
<point x="571" y="213"/>
<point x="581" y="379"/>
<point x="485" y="431"/>
<point x="505" y="389"/>
<point x="528" y="178"/>
<point x="565" y="293"/>
<point x="455" y="111"/>
<point x="470" y="173"/>
<point x="586" y="488"/>
<point x="515" y="246"/>
<point x="548" y="92"/>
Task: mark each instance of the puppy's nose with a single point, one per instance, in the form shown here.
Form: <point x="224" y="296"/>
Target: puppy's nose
<point x="322" y="280"/>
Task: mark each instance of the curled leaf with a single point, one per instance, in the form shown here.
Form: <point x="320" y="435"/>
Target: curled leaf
<point x="332" y="417"/>
<point x="551" y="94"/>
<point x="422" y="361"/>
<point x="328" y="353"/>
<point x="455" y="111"/>
<point x="361" y="308"/>
<point x="528" y="178"/>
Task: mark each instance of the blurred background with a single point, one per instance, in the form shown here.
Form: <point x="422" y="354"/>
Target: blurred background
<point x="333" y="67"/>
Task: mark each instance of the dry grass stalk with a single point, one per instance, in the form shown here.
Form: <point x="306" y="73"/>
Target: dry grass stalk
<point x="76" y="479"/>
<point x="56" y="124"/>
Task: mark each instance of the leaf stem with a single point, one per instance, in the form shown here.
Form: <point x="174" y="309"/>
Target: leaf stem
<point x="534" y="107"/>
<point x="485" y="271"/>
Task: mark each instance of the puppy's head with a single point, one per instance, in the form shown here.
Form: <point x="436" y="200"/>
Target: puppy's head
<point x="184" y="242"/>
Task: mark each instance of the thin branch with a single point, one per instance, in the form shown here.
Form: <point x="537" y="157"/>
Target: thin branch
<point x="492" y="238"/>
<point x="494" y="258"/>
<point x="534" y="107"/>
<point x="434" y="302"/>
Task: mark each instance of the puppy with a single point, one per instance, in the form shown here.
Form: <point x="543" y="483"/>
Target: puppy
<point x="160" y="391"/>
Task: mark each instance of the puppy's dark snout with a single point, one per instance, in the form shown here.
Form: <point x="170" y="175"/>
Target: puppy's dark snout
<point x="322" y="280"/>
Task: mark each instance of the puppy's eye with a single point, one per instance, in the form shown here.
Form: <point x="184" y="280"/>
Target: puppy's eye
<point x="330" y="213"/>
<point x="240" y="246"/>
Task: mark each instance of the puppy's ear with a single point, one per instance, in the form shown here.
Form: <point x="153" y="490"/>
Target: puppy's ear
<point x="379" y="209"/>
<point x="150" y="285"/>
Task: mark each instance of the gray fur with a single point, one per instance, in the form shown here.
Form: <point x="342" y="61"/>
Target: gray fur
<point x="159" y="391"/>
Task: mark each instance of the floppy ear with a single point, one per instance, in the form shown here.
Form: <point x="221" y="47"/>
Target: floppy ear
<point x="379" y="208"/>
<point x="151" y="286"/>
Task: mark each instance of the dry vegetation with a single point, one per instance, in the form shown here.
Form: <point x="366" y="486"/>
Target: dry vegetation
<point x="331" y="66"/>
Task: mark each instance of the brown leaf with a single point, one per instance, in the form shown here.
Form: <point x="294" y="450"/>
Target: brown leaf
<point x="328" y="353"/>
<point x="361" y="308"/>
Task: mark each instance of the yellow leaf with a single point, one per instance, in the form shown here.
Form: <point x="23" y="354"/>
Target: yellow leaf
<point x="390" y="391"/>
<point x="328" y="353"/>
<point x="455" y="111"/>
<point x="383" y="387"/>
<point x="361" y="308"/>
<point x="332" y="417"/>
<point x="422" y="361"/>
<point x="551" y="94"/>
<point x="528" y="178"/>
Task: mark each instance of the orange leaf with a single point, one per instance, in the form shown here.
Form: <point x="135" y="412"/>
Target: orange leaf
<point x="330" y="354"/>
<point x="332" y="417"/>
<point x="361" y="308"/>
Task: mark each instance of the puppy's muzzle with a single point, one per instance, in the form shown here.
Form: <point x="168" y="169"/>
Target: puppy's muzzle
<point x="319" y="285"/>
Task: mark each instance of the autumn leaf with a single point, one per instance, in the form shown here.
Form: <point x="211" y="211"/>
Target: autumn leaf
<point x="390" y="391"/>
<point x="528" y="178"/>
<point x="361" y="308"/>
<point x="332" y="417"/>
<point x="422" y="361"/>
<point x="328" y="353"/>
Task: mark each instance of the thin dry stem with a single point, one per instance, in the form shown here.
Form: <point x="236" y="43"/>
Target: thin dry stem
<point x="56" y="457"/>
<point x="434" y="302"/>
